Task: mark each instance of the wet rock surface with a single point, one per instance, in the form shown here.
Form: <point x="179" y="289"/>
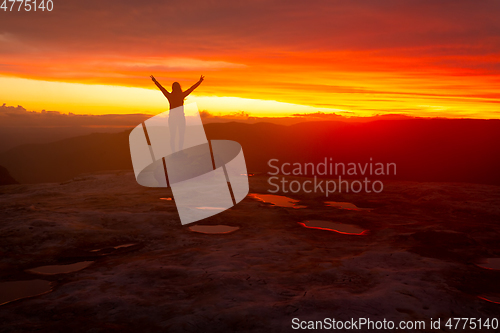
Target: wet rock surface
<point x="420" y="259"/>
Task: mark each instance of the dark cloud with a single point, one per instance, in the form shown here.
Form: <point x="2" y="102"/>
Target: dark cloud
<point x="208" y="27"/>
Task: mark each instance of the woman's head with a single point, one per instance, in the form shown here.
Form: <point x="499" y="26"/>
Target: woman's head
<point x="176" y="87"/>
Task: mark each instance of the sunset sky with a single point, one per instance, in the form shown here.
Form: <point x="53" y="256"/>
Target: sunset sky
<point x="268" y="58"/>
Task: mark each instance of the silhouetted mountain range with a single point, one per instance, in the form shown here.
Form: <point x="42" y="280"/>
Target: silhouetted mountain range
<point x="11" y="137"/>
<point x="19" y="126"/>
<point x="448" y="150"/>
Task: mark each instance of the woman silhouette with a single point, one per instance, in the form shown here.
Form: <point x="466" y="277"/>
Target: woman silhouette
<point x="176" y="119"/>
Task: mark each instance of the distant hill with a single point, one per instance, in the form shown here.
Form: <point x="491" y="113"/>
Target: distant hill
<point x="450" y="150"/>
<point x="19" y="126"/>
<point x="65" y="159"/>
<point x="5" y="177"/>
<point x="11" y="137"/>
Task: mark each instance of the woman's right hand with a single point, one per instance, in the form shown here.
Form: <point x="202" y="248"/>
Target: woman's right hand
<point x="202" y="77"/>
<point x="153" y="78"/>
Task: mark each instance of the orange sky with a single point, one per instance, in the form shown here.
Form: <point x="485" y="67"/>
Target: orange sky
<point x="268" y="58"/>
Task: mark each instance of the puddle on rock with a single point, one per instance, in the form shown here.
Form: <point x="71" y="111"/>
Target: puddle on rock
<point x="168" y="199"/>
<point x="14" y="290"/>
<point x="346" y="205"/>
<point x="115" y="247"/>
<point x="490" y="298"/>
<point x="277" y="200"/>
<point x="341" y="228"/>
<point x="124" y="245"/>
<point x="60" y="269"/>
<point x="490" y="263"/>
<point x="213" y="229"/>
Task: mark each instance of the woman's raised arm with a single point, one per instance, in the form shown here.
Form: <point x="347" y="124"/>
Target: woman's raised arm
<point x="163" y="90"/>
<point x="190" y="90"/>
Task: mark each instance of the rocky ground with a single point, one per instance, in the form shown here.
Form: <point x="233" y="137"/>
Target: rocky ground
<point x="418" y="260"/>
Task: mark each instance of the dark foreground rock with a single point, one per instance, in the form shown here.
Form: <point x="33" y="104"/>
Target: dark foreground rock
<point x="418" y="260"/>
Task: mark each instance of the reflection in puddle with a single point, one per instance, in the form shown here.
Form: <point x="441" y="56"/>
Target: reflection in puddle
<point x="213" y="229"/>
<point x="490" y="263"/>
<point x="168" y="199"/>
<point x="491" y="298"/>
<point x="347" y="229"/>
<point x="277" y="200"/>
<point x="115" y="247"/>
<point x="60" y="269"/>
<point x="345" y="205"/>
<point x="11" y="291"/>
<point x="124" y="245"/>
